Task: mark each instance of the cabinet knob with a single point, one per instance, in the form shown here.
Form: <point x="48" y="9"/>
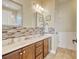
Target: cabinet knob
<point x="24" y="52"/>
<point x="20" y="53"/>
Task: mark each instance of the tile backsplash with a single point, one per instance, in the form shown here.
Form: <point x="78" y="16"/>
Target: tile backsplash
<point x="12" y="32"/>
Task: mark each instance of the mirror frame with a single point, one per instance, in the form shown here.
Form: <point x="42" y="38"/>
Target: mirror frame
<point x="21" y="10"/>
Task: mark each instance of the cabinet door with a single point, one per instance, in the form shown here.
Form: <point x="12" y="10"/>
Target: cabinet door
<point x="39" y="43"/>
<point x="29" y="52"/>
<point x="13" y="55"/>
<point x="45" y="47"/>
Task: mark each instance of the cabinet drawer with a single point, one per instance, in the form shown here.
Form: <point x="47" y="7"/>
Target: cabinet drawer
<point x="40" y="56"/>
<point x="39" y="43"/>
<point x="39" y="50"/>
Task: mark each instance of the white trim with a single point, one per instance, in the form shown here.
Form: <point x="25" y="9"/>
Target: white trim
<point x="52" y="51"/>
<point x="65" y="40"/>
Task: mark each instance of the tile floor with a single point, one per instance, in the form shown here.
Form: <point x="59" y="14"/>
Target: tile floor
<point x="62" y="54"/>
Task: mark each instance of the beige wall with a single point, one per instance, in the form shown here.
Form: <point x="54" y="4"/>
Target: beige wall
<point x="50" y="6"/>
<point x="28" y="14"/>
<point x="65" y="16"/>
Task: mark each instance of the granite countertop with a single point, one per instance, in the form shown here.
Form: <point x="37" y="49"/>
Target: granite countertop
<point x="12" y="47"/>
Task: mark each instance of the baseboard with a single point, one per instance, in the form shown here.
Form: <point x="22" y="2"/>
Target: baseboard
<point x="52" y="51"/>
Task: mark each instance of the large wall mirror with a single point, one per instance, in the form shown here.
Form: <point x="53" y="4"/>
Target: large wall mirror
<point x="11" y="13"/>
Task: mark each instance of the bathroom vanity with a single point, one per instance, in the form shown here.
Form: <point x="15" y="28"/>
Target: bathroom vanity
<point x="35" y="48"/>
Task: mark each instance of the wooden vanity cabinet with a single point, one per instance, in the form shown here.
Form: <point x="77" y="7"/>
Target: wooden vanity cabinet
<point x="37" y="50"/>
<point x="45" y="47"/>
<point x="14" y="55"/>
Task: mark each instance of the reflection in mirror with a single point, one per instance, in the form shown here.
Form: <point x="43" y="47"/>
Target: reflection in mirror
<point x="11" y="14"/>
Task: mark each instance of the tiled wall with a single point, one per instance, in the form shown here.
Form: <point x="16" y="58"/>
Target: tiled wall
<point x="12" y="32"/>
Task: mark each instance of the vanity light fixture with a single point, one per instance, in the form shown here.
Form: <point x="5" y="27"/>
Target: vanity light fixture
<point x="38" y="8"/>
